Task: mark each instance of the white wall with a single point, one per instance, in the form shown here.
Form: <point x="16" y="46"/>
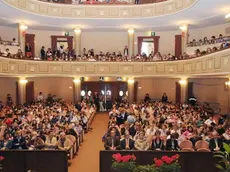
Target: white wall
<point x="104" y="41"/>
<point x="209" y="32"/>
<point x="8" y="33"/>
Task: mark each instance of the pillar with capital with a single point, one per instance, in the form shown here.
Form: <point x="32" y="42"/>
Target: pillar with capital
<point x="130" y="83"/>
<point x="22" y="35"/>
<point x="22" y="90"/>
<point x="77" y="89"/>
<point x="77" y="41"/>
<point x="131" y="41"/>
<point x="185" y="37"/>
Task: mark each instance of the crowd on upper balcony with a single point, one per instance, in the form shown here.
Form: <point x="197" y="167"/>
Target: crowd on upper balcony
<point x="207" y="41"/>
<point x="65" y="54"/>
<point x="163" y="125"/>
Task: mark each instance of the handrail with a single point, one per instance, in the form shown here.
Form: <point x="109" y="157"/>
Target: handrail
<point x="103" y="2"/>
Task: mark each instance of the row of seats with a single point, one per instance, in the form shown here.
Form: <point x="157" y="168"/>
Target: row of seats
<point x="200" y="146"/>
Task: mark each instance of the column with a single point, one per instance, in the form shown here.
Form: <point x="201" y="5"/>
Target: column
<point x="77" y="41"/>
<point x="185" y="35"/>
<point x="131" y="41"/>
<point x="227" y="86"/>
<point x="22" y="90"/>
<point x="77" y="89"/>
<point x="130" y="83"/>
<point x="22" y="35"/>
<point x="184" y="90"/>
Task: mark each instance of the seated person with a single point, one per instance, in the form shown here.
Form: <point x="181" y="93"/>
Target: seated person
<point x="14" y="42"/>
<point x="157" y="142"/>
<point x="19" y="54"/>
<point x="7" y="142"/>
<point x="6" y="53"/>
<point x="172" y="143"/>
<point x="216" y="142"/>
<point x="112" y="142"/>
<point x="19" y="142"/>
<point x="141" y="143"/>
<point x="51" y="141"/>
<point x="127" y="143"/>
<point x="64" y="143"/>
<point x="226" y="136"/>
<point x="35" y="142"/>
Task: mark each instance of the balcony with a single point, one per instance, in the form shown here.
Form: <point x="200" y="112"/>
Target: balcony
<point x="101" y="11"/>
<point x="212" y="64"/>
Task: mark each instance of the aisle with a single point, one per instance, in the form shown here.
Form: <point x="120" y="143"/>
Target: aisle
<point x="87" y="159"/>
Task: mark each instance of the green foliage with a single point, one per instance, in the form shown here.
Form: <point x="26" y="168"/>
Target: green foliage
<point x="126" y="166"/>
<point x="174" y="167"/>
<point x="145" y="168"/>
<point x="223" y="157"/>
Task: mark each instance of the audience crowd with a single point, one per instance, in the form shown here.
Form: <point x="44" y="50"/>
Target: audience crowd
<point x="164" y="126"/>
<point x="65" y="54"/>
<point x="46" y="123"/>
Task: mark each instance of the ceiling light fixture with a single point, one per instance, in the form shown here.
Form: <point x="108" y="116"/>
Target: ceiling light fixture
<point x="77" y="30"/>
<point x="130" y="31"/>
<point x="227" y="16"/>
<point x="183" y="27"/>
<point x="23" y="27"/>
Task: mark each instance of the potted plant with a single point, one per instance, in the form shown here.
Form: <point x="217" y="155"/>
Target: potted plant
<point x="124" y="163"/>
<point x="223" y="159"/>
<point x="145" y="168"/>
<point x="167" y="164"/>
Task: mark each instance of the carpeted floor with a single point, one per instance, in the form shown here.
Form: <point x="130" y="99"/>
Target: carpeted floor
<point x="87" y="159"/>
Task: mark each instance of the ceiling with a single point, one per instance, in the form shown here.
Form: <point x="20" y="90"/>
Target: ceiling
<point x="203" y="14"/>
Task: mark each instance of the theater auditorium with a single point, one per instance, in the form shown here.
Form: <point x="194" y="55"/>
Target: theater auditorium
<point x="114" y="85"/>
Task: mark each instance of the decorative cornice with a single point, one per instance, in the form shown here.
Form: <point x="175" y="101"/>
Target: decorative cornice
<point x="101" y="11"/>
<point x="213" y="64"/>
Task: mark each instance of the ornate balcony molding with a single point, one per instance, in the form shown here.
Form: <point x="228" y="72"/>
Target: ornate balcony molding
<point x="212" y="64"/>
<point x="101" y="11"/>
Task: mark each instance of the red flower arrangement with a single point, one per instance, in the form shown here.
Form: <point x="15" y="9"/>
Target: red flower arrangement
<point x="126" y="158"/>
<point x="125" y="162"/>
<point x="167" y="164"/>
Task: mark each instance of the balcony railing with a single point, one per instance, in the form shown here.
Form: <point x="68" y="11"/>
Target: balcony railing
<point x="103" y="2"/>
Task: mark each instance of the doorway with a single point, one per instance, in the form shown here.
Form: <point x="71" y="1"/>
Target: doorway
<point x="152" y="39"/>
<point x="30" y="38"/>
<point x="65" y="41"/>
<point x="147" y="47"/>
<point x="104" y="92"/>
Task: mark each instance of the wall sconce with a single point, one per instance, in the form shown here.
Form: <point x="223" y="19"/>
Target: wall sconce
<point x="183" y="28"/>
<point x="227" y="83"/>
<point x="23" y="81"/>
<point x="131" y="81"/>
<point x="130" y="31"/>
<point x="183" y="82"/>
<point x="76" y="81"/>
<point x="227" y="16"/>
<point x="23" y="27"/>
<point x="77" y="31"/>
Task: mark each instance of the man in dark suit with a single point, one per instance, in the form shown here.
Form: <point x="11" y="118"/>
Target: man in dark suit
<point x="122" y="117"/>
<point x="19" y="142"/>
<point x="172" y="143"/>
<point x="112" y="142"/>
<point x="127" y="143"/>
